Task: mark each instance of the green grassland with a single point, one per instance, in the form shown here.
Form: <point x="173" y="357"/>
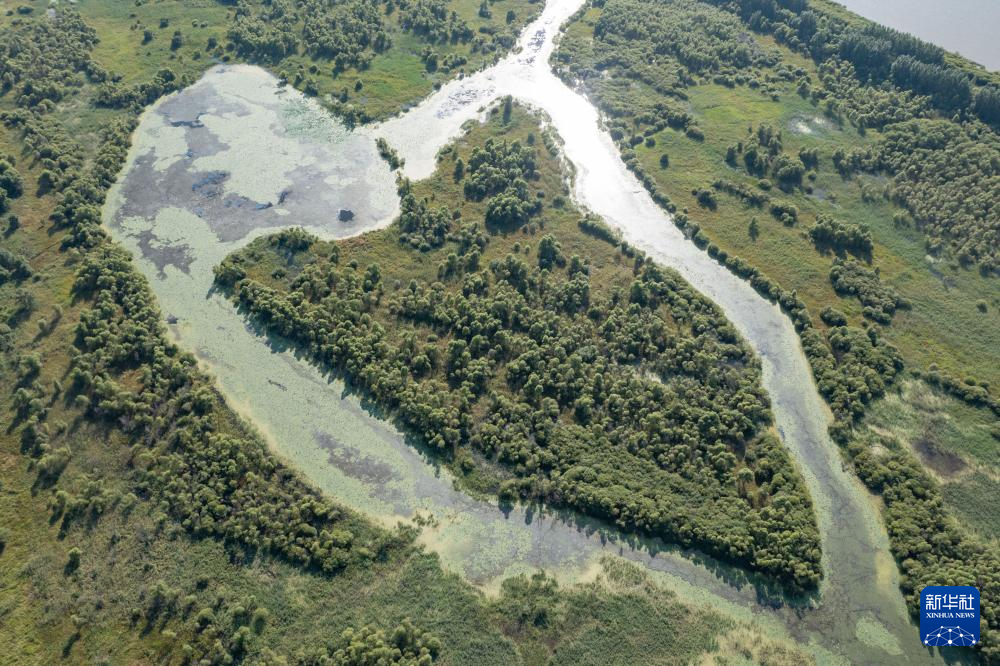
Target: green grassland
<point x="120" y="27"/>
<point x="958" y="443"/>
<point x="944" y="325"/>
<point x="394" y="79"/>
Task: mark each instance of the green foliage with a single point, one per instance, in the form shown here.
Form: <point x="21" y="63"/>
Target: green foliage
<point x="11" y="185"/>
<point x="948" y="88"/>
<point x="139" y="442"/>
<point x="852" y="366"/>
<point x="45" y="60"/>
<point x="387" y="152"/>
<point x="116" y="95"/>
<point x="405" y="646"/>
<point x="927" y="542"/>
<point x="878" y="54"/>
<point x="13" y="266"/>
<point x="317" y="43"/>
<point x="602" y="59"/>
<point x="830" y="233"/>
<point x="249" y="498"/>
<point x="851" y="277"/>
<point x="625" y="403"/>
<point x="947" y="176"/>
<point x="421" y="226"/>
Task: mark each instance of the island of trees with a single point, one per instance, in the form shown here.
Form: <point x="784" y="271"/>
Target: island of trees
<point x="495" y="327"/>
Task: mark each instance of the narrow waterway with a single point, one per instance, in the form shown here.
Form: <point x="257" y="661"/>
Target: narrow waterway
<point x="236" y="155"/>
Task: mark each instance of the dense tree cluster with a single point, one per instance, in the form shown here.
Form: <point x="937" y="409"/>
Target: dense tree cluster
<point x="499" y="172"/>
<point x="44" y="60"/>
<point x="948" y="177"/>
<point x="852" y="366"/>
<point x="628" y="406"/>
<point x="345" y="32"/>
<point x="879" y="301"/>
<point x="13" y="266"/>
<point x="700" y="39"/>
<point x="268" y="31"/>
<point x="843" y="95"/>
<point x="405" y="646"/>
<point x="930" y="545"/>
<point x="432" y="19"/>
<point x="876" y="53"/>
<point x="116" y="95"/>
<point x="352" y="32"/>
<point x="421" y="225"/>
<point x="948" y="88"/>
<point x="831" y="233"/>
<point x="11" y="185"/>
<point x="514" y="338"/>
<point x="987" y="104"/>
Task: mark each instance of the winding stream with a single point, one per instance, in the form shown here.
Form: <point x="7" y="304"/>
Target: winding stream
<point x="200" y="182"/>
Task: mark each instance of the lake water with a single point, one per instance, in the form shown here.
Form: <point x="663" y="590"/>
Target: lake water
<point x="969" y="27"/>
<point x="236" y="155"/>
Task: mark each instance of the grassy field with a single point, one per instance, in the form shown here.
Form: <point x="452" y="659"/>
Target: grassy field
<point x="395" y="79"/>
<point x="958" y="443"/>
<point x="953" y="320"/>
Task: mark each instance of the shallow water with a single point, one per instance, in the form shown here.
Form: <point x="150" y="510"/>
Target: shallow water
<point x="236" y="156"/>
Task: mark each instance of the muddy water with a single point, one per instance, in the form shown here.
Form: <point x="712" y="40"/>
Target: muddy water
<point x="236" y="156"/>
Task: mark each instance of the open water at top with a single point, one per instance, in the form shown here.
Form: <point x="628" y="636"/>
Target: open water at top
<point x="969" y="27"/>
<point x="236" y="156"/>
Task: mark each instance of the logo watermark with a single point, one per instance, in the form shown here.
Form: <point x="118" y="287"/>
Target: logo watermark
<point x="949" y="615"/>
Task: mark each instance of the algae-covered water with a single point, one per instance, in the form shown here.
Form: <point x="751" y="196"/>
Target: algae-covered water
<point x="236" y="155"/>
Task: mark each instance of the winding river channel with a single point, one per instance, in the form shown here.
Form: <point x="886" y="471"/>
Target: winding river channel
<point x="236" y="155"/>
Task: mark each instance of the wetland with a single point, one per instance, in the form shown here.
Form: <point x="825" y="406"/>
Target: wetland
<point x="201" y="182"/>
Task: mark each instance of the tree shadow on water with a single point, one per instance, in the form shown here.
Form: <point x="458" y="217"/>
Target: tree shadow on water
<point x="729" y="581"/>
